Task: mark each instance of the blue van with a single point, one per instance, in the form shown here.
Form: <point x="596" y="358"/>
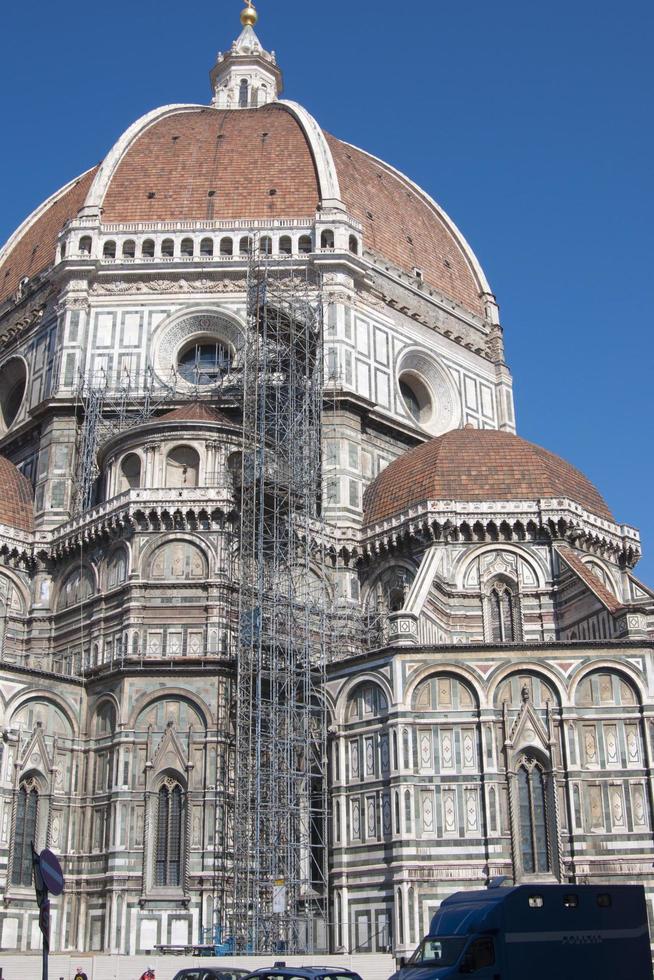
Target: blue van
<point x="537" y="932"/>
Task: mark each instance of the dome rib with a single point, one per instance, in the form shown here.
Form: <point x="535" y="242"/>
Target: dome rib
<point x="478" y="465"/>
<point x="32" y="248"/>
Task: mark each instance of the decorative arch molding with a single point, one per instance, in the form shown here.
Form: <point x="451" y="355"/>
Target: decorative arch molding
<point x="591" y="562"/>
<point x="194" y="320"/>
<point x="343" y="697"/>
<point x="549" y="675"/>
<point x="118" y="549"/>
<point x="329" y="706"/>
<point x="107" y="697"/>
<point x="20" y="699"/>
<point x="198" y="704"/>
<point x="168" y="537"/>
<point x="19" y="585"/>
<point x="81" y="568"/>
<point x="330" y="191"/>
<point x="464" y="674"/>
<point x="466" y="250"/>
<point x="95" y="197"/>
<point x="461" y="567"/>
<point x="380" y="570"/>
<point x="628" y="673"/>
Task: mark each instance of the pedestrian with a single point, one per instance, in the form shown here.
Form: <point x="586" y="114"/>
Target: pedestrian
<point x="80" y="975"/>
<point x="149" y="974"/>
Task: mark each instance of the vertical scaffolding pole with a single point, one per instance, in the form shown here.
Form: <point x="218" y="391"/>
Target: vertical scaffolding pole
<point x="280" y="809"/>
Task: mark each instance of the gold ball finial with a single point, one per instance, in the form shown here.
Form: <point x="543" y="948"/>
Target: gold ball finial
<point x="249" y="15"/>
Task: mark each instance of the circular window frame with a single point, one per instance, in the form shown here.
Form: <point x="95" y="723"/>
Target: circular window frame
<point x="423" y="394"/>
<point x="23" y="367"/>
<point x="190" y="326"/>
<point x="194" y="341"/>
<point x="415" y="364"/>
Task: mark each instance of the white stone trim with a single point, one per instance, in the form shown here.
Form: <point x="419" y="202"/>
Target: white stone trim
<point x="330" y="191"/>
<point x="469" y="255"/>
<point x="100" y="185"/>
<point x="29" y="221"/>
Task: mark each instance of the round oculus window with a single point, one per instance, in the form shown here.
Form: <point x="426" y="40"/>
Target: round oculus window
<point x="416" y="397"/>
<point x="204" y="362"/>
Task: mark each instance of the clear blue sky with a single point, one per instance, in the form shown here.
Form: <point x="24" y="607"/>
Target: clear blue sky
<point x="530" y="123"/>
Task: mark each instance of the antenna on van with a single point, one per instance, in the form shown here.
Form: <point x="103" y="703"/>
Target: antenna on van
<point x="501" y="881"/>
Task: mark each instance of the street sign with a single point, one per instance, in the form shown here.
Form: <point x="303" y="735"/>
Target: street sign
<point x="53" y="876"/>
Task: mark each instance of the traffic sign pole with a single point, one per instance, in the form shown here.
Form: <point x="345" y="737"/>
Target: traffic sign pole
<point x="44" y="911"/>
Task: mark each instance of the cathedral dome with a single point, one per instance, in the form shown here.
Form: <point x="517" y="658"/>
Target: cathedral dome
<point x="192" y="163"/>
<point x="16" y="500"/>
<point x="477" y="465"/>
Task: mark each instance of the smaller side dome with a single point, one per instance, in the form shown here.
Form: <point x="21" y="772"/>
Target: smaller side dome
<point x="16" y="498"/>
<point x="477" y="465"/>
<point x="195" y="412"/>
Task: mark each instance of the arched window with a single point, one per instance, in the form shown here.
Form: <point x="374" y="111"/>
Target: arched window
<point x="109" y="250"/>
<point x="182" y="467"/>
<point x="327" y="238"/>
<point x="354" y="245"/>
<point x="304" y="245"/>
<point x="27" y="806"/>
<point x="168" y="248"/>
<point x="85" y="245"/>
<point x="243" y="94"/>
<point x="130" y="472"/>
<point x="285" y="245"/>
<point x="245" y="245"/>
<point x="206" y="247"/>
<point x="502" y="608"/>
<point x="147" y="248"/>
<point x="265" y="245"/>
<point x="226" y="246"/>
<point x="532" y="808"/>
<point x="186" y="248"/>
<point x="170" y="822"/>
<point x="129" y="249"/>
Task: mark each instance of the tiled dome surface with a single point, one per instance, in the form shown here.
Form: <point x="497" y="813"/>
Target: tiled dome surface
<point x="477" y="464"/>
<point x="257" y="165"/>
<point x="16" y="500"/>
<point x="35" y="250"/>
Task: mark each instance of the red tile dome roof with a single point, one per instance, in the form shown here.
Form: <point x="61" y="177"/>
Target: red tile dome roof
<point x="34" y="250"/>
<point x="16" y="500"/>
<point x="195" y="412"/>
<point x="477" y="464"/>
<point x="198" y="163"/>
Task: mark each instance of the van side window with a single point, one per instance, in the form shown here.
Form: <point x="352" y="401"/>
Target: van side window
<point x="570" y="901"/>
<point x="482" y="952"/>
<point x="535" y="901"/>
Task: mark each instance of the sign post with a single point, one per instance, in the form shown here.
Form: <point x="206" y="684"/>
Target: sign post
<point x="48" y="879"/>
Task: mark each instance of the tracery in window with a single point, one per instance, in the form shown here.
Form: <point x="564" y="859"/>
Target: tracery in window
<point x="533" y="817"/>
<point x="170" y="820"/>
<point x="503" y="613"/>
<point x="27" y="806"/>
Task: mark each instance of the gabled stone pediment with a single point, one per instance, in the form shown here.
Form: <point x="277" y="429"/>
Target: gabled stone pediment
<point x="169" y="754"/>
<point x="36" y="754"/>
<point x="528" y="730"/>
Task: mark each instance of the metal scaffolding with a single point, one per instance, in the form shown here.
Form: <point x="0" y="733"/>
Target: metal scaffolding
<point x="280" y="811"/>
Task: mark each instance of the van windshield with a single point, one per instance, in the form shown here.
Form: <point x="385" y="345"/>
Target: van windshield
<point x="443" y="951"/>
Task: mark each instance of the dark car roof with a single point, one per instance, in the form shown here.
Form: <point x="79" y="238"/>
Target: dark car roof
<point x="306" y="971"/>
